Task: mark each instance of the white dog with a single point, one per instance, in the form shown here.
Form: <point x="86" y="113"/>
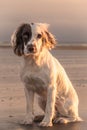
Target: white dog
<point x="44" y="75"/>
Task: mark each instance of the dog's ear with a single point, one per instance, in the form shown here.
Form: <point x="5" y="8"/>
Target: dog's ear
<point x="17" y="42"/>
<point x="17" y="39"/>
<point x="50" y="40"/>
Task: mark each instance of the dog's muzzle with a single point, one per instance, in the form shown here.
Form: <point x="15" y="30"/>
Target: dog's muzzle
<point x="31" y="48"/>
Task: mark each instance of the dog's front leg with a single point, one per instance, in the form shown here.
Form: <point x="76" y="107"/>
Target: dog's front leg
<point x="50" y="107"/>
<point x="29" y="107"/>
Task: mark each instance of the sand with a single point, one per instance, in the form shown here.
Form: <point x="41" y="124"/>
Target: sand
<point x="12" y="98"/>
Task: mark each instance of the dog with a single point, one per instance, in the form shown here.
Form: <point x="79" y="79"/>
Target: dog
<point x="42" y="73"/>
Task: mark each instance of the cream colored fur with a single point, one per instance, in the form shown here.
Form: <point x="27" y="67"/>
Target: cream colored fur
<point x="43" y="74"/>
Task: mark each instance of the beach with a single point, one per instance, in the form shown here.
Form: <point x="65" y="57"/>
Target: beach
<point x="12" y="97"/>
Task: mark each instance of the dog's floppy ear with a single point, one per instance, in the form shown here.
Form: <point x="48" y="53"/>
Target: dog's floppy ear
<point x="17" y="39"/>
<point x="50" y="40"/>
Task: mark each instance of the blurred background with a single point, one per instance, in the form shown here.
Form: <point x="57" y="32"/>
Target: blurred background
<point x="68" y="22"/>
<point x="67" y="18"/>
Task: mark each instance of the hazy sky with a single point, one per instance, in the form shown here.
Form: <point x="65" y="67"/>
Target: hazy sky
<point x="67" y="18"/>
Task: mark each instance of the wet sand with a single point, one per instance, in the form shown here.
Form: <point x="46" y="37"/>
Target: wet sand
<point x="12" y="98"/>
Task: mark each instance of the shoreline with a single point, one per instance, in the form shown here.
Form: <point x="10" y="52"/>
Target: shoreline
<point x="61" y="46"/>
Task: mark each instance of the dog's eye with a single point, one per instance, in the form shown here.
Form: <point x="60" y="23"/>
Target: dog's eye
<point x="39" y="36"/>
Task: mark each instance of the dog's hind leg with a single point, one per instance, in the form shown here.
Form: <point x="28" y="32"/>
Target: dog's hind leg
<point x="66" y="120"/>
<point x="59" y="106"/>
<point x="70" y="115"/>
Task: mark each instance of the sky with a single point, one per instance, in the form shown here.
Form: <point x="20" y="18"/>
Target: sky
<point x="67" y="18"/>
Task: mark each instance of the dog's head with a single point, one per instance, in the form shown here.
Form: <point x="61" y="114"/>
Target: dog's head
<point x="29" y="39"/>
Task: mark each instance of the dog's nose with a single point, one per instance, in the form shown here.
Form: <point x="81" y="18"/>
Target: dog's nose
<point x="31" y="48"/>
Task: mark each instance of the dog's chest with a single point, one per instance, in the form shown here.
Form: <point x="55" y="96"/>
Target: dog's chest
<point x="36" y="79"/>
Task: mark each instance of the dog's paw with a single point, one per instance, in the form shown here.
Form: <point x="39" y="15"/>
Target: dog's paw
<point x="45" y="123"/>
<point x="28" y="120"/>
